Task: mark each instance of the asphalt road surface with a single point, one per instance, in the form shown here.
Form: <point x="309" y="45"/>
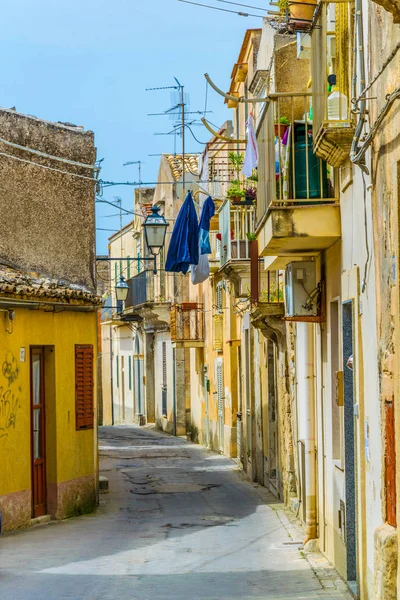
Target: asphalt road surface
<point x="179" y="522"/>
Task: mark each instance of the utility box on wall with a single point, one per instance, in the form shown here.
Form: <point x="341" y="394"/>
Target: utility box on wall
<point x="301" y="289"/>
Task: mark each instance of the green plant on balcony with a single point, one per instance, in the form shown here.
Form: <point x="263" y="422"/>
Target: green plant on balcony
<point x="251" y="195"/>
<point x="236" y="159"/>
<point x="281" y="127"/>
<point x="252" y="237"/>
<point x="274" y="294"/>
<point x="236" y="193"/>
<point x="283" y="7"/>
<point x="254" y="176"/>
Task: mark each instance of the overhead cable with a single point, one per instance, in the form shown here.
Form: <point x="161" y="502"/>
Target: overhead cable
<point x="244" y="5"/>
<point x="241" y="14"/>
<point x="30" y="162"/>
<point x="51" y="156"/>
<point x="383" y="67"/>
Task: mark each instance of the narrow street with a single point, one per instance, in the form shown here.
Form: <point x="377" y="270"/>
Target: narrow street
<point x="178" y="522"/>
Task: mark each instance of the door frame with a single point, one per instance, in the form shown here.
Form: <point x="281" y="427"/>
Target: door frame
<point x="38" y="350"/>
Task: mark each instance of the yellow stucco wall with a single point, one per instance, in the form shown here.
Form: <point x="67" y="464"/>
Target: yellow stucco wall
<point x="70" y="453"/>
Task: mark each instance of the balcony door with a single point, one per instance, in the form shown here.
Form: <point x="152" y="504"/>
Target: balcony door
<point x="38" y="433"/>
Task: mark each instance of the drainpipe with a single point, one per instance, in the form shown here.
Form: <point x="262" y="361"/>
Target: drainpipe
<point x="356" y="156"/>
<point x="306" y="418"/>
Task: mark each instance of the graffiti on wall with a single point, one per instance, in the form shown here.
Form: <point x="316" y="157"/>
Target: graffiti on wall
<point x="9" y="395"/>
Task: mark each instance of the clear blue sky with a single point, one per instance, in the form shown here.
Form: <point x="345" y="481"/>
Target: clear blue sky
<point x="89" y="62"/>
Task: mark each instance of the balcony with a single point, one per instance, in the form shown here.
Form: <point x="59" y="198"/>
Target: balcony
<point x="146" y="301"/>
<point x="331" y="48"/>
<point x="187" y="325"/>
<point x="236" y="223"/>
<point x="236" y="226"/>
<point x="267" y="315"/>
<point x="271" y="293"/>
<point x="296" y="207"/>
<point x="141" y="289"/>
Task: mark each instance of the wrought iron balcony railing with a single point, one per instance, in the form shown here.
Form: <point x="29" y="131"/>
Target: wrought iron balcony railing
<point x="236" y="225"/>
<point x="187" y="323"/>
<point x="141" y="289"/>
<point x="289" y="173"/>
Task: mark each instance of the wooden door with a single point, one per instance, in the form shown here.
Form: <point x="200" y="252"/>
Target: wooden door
<point x="38" y="433"/>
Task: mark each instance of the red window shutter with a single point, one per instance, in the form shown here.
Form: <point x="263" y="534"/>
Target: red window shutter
<point x="84" y="386"/>
<point x="390" y="464"/>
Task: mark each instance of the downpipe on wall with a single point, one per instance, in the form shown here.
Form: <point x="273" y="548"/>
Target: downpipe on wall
<point x="306" y="420"/>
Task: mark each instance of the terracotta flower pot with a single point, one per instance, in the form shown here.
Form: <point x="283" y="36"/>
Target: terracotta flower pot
<point x="280" y="129"/>
<point x="235" y="200"/>
<point x="302" y="12"/>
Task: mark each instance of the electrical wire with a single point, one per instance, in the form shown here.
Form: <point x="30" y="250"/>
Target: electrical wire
<point x="30" y="162"/>
<point x="364" y="281"/>
<point x="244" y="5"/>
<point x="241" y="14"/>
<point x="379" y="73"/>
<point x="51" y="156"/>
<point x="357" y="155"/>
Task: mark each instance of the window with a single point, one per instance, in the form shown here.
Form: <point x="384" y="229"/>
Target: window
<point x="218" y="319"/>
<point x="84" y="383"/>
<point x="116" y="272"/>
<point x="117" y="371"/>
<point x="218" y="298"/>
<point x="130" y="372"/>
<point x="129" y="268"/>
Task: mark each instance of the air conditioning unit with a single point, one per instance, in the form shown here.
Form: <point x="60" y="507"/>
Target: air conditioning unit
<point x="301" y="292"/>
<point x="303" y="45"/>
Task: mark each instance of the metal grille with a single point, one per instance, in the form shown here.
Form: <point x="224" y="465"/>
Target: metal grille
<point x="218" y="320"/>
<point x="164" y="383"/>
<point x="236" y="222"/>
<point x="187" y="322"/>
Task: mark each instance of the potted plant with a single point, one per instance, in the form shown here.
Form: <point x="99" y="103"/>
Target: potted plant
<point x="250" y="196"/>
<point x="301" y="12"/>
<point x="254" y="176"/>
<point x="281" y="127"/>
<point x="235" y="193"/>
<point x="236" y="159"/>
<point x="283" y="7"/>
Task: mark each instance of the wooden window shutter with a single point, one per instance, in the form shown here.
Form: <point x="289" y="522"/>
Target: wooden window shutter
<point x="130" y="371"/>
<point x="84" y="387"/>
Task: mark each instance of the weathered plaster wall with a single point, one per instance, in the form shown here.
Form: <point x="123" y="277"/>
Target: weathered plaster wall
<point x="49" y="225"/>
<point x="383" y="35"/>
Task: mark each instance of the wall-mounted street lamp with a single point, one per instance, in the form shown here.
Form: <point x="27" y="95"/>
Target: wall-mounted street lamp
<point x="155" y="229"/>
<point x="121" y="289"/>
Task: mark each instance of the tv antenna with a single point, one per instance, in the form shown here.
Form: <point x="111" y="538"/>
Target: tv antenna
<point x="178" y="111"/>
<point x="139" y="164"/>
